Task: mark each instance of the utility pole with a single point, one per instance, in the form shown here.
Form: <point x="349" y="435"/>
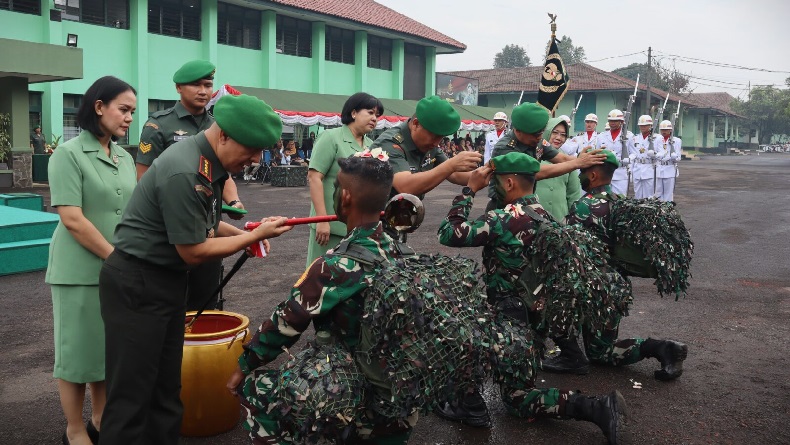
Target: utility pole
<point x="649" y="66"/>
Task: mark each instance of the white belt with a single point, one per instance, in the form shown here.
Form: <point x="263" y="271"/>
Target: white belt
<point x="667" y="162"/>
<point x="643" y="161"/>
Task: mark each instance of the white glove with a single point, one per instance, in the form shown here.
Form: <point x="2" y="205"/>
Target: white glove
<point x="625" y="161"/>
<point x="651" y="154"/>
<point x="675" y="156"/>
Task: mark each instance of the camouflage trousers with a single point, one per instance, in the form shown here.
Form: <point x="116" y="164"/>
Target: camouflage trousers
<point x="603" y="346"/>
<point x="266" y="429"/>
<point x="536" y="402"/>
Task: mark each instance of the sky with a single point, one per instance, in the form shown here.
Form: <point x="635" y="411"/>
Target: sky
<point x="750" y="34"/>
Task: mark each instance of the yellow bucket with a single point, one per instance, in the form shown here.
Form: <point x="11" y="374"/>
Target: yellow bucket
<point x="211" y="351"/>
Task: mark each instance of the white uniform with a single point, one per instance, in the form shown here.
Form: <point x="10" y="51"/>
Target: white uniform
<point x="583" y="141"/>
<point x="642" y="164"/>
<point x="491" y="140"/>
<point x="668" y="154"/>
<point x="604" y="141"/>
<point x="570" y="148"/>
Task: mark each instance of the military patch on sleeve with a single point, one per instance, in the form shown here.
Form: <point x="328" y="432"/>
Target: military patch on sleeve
<point x="398" y="138"/>
<point x="152" y="125"/>
<point x="203" y="189"/>
<point x="396" y="146"/>
<point x="205" y="168"/>
<point x="304" y="274"/>
<point x="144" y="148"/>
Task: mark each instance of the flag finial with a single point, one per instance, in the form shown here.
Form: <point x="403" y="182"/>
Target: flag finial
<point x="553" y="18"/>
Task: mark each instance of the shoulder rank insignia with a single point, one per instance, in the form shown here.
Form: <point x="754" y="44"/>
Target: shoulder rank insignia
<point x="180" y="132"/>
<point x="580" y="133"/>
<point x="144" y="148"/>
<point x="512" y="143"/>
<point x="398" y="138"/>
<point x="398" y="147"/>
<point x="545" y="143"/>
<point x="205" y="168"/>
<point x="203" y="189"/>
<point x="152" y="125"/>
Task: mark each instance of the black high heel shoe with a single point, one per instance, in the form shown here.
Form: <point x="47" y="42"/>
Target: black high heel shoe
<point x="66" y="439"/>
<point x="93" y="433"/>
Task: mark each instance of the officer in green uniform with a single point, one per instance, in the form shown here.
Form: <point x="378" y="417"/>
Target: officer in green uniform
<point x="415" y="156"/>
<point x="172" y="223"/>
<point x="592" y="212"/>
<point x="194" y="83"/>
<point x="37" y="141"/>
<point x="330" y="295"/>
<point x="528" y="122"/>
<point x="505" y="234"/>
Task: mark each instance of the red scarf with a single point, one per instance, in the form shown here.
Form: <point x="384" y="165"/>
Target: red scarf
<point x="499" y="133"/>
<point x="589" y="135"/>
<point x="615" y="134"/>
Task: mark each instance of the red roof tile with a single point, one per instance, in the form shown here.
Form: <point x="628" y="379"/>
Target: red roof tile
<point x="371" y="13"/>
<point x="583" y="78"/>
<point x="718" y="101"/>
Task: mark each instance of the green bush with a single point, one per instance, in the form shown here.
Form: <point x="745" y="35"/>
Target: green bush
<point x="5" y="136"/>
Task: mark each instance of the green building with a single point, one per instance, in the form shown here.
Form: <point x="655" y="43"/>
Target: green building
<point x="52" y="50"/>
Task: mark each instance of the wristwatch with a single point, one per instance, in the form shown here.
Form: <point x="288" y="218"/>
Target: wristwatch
<point x="466" y="191"/>
<point x="234" y="202"/>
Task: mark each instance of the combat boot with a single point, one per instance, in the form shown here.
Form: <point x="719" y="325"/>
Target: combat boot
<point x="570" y="360"/>
<point x="471" y="410"/>
<point x="670" y="353"/>
<point x="608" y="412"/>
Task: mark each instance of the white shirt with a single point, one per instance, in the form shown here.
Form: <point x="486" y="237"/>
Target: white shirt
<point x="641" y="162"/>
<point x="668" y="154"/>
<point x="583" y="141"/>
<point x="605" y="141"/>
<point x="491" y="140"/>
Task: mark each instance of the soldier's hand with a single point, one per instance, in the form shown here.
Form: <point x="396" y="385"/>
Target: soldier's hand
<point x="465" y="161"/>
<point x="588" y="158"/>
<point x="271" y="227"/>
<point x="651" y="154"/>
<point x="236" y="216"/>
<point x="234" y="381"/>
<point x="479" y="178"/>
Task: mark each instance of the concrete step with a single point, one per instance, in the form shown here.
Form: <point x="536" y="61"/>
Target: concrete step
<point x="24" y="256"/>
<point x="22" y="225"/>
<point x="29" y="201"/>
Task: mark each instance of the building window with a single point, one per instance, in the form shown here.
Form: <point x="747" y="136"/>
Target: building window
<point x="155" y="105"/>
<point x="339" y="45"/>
<point x="237" y="26"/>
<point x="23" y="6"/>
<point x="177" y="18"/>
<point x="71" y="103"/>
<point x="114" y="13"/>
<point x="294" y="37"/>
<point x="34" y="101"/>
<point x="379" y="53"/>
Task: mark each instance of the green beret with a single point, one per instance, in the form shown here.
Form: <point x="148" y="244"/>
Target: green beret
<point x="529" y="118"/>
<point x="514" y="163"/>
<point x="194" y="71"/>
<point x="438" y="116"/>
<point x="553" y="122"/>
<point x="248" y="120"/>
<point x="611" y="158"/>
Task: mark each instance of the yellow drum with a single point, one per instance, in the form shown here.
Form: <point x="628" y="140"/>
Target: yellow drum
<point x="211" y="351"/>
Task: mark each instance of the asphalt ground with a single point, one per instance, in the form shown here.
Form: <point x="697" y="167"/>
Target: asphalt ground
<point x="734" y="389"/>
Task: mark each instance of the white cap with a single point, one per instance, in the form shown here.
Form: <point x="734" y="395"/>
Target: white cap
<point x="645" y="120"/>
<point x="591" y="117"/>
<point x="665" y="125"/>
<point x="500" y="116"/>
<point x="615" y="115"/>
<point x="566" y="118"/>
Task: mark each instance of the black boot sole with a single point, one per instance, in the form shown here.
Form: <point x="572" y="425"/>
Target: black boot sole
<point x="476" y="422"/>
<point x="620" y="409"/>
<point x="675" y="368"/>
<point x="579" y="370"/>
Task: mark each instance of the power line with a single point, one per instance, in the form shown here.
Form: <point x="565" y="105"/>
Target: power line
<point x="616" y="57"/>
<point x="719" y="64"/>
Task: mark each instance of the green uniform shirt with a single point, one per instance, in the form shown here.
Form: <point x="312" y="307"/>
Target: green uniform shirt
<point x="329" y="293"/>
<point x="332" y="145"/>
<point x="165" y="128"/>
<point x="404" y="155"/>
<point x="38" y="142"/>
<point x="82" y="175"/>
<point x="509" y="143"/>
<point x="504" y="234"/>
<point x="592" y="212"/>
<point x="558" y="194"/>
<point x="178" y="201"/>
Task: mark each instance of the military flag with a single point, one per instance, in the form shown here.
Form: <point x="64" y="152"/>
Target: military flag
<point x="554" y="80"/>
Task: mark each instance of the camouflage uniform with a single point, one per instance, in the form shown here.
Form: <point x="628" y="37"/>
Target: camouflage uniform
<point x="592" y="212"/>
<point x="505" y="235"/>
<point x="329" y="294"/>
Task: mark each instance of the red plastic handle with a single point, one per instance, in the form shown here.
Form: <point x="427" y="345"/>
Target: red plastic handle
<point x="297" y="221"/>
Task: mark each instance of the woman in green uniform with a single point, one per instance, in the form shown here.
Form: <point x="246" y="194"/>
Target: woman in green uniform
<point x="558" y="193"/>
<point x="91" y="179"/>
<point x="359" y="116"/>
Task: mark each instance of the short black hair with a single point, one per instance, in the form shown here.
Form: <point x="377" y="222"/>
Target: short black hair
<point x="524" y="180"/>
<point x="105" y="89"/>
<point x="360" y="101"/>
<point x="373" y="181"/>
<point x="606" y="169"/>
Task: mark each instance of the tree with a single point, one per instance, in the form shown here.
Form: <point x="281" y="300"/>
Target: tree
<point x="568" y="52"/>
<point x="768" y="110"/>
<point x="511" y="56"/>
<point x="667" y="79"/>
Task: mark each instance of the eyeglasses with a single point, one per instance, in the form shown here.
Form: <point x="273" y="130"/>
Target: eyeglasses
<point x="559" y="133"/>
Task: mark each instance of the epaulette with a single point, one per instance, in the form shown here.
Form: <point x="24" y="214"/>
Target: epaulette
<point x="204" y="168"/>
<point x="398" y="138"/>
<point x="580" y="133"/>
<point x="512" y="143"/>
<point x="163" y="112"/>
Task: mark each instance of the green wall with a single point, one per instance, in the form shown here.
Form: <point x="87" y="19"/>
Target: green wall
<point x="228" y="57"/>
<point x="380" y="83"/>
<point x="340" y="79"/>
<point x="294" y="73"/>
<point x="17" y="26"/>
